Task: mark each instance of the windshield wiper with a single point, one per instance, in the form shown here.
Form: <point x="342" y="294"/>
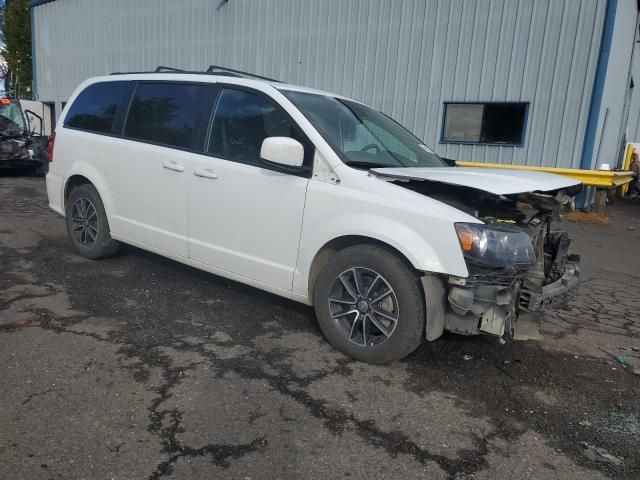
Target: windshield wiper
<point x="364" y="164"/>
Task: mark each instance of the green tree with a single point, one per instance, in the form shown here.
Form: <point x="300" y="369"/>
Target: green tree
<point x="16" y="49"/>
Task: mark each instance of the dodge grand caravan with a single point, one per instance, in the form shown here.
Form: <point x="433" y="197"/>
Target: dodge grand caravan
<point x="311" y="196"/>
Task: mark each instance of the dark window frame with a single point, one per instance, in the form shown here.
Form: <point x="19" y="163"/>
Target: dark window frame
<point x="198" y="141"/>
<point x="202" y="136"/>
<point x="119" y="118"/>
<point x="306" y="170"/>
<point x="523" y="135"/>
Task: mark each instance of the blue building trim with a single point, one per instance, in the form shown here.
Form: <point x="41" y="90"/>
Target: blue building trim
<point x="598" y="86"/>
<point x="35" y="3"/>
<point x="34" y="72"/>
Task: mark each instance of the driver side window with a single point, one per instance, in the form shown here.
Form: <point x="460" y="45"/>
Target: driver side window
<point x="241" y="122"/>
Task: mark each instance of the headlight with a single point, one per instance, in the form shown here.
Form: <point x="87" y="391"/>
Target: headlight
<point x="495" y="245"/>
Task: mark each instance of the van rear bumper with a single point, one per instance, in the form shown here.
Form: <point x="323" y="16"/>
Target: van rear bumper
<point x="55" y="189"/>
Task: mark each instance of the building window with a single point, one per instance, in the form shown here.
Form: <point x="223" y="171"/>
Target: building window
<point x="485" y="123"/>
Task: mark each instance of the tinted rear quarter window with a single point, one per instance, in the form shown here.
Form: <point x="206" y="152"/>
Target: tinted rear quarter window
<point x="167" y="113"/>
<point x="96" y="107"/>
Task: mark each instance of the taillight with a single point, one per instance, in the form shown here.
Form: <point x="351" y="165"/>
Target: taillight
<point x="52" y="140"/>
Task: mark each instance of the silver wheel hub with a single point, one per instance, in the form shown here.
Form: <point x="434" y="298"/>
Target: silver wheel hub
<point x="363" y="306"/>
<point x="84" y="221"/>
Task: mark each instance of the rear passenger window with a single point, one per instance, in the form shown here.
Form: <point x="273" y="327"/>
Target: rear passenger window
<point x="96" y="107"/>
<point x="167" y="113"/>
<point x="242" y="120"/>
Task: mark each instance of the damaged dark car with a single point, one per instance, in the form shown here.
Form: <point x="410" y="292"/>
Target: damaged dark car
<point x="21" y="148"/>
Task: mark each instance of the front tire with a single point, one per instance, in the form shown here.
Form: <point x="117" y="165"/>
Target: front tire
<point x="370" y="305"/>
<point x="87" y="224"/>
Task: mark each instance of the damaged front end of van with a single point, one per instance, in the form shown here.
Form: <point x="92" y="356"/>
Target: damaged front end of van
<point x="517" y="261"/>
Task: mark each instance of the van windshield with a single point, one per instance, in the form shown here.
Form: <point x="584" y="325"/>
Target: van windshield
<point x="362" y="136"/>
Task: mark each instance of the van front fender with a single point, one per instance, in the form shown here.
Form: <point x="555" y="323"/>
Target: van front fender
<point x="437" y="252"/>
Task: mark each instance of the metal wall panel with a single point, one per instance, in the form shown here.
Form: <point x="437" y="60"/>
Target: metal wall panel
<point x="613" y="119"/>
<point x="633" y="123"/>
<point x="405" y="57"/>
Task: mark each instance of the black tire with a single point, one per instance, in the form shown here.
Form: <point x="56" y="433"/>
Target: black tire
<point x="103" y="245"/>
<point x="409" y="328"/>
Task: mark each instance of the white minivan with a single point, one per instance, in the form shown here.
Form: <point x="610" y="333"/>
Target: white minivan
<point x="311" y="196"/>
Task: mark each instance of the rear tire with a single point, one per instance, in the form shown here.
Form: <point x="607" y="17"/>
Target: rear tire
<point x="364" y="327"/>
<point x="87" y="224"/>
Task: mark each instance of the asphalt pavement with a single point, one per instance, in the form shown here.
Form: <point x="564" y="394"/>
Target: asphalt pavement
<point x="138" y="367"/>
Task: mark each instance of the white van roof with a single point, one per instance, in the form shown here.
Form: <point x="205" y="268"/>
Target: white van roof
<point x="214" y="74"/>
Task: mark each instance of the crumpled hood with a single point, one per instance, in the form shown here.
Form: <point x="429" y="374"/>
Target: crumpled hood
<point x="9" y="128"/>
<point x="492" y="180"/>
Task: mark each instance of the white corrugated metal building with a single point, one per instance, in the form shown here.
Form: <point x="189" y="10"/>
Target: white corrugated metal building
<point x="537" y="82"/>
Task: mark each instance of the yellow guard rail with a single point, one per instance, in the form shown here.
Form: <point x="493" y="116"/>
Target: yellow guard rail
<point x="626" y="165"/>
<point x="590" y="178"/>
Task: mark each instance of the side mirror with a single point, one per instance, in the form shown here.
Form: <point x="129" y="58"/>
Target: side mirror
<point x="282" y="151"/>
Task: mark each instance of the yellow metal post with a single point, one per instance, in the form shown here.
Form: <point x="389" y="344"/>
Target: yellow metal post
<point x="625" y="166"/>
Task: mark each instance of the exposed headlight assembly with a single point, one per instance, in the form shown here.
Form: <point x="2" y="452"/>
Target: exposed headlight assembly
<point x="495" y="245"/>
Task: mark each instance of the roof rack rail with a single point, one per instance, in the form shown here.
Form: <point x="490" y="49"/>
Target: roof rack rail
<point x="240" y="73"/>
<point x="212" y="70"/>
<point x="162" y="68"/>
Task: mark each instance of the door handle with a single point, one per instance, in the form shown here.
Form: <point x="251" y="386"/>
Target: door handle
<point x="173" y="166"/>
<point x="206" y="173"/>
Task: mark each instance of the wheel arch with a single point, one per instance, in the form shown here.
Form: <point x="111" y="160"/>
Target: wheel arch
<point x="334" y="245"/>
<point x="72" y="182"/>
<point x="85" y="174"/>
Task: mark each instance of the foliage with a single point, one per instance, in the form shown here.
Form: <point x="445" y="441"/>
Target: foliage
<point x="16" y="47"/>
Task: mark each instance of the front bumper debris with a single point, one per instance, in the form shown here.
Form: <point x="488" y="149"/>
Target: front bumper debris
<point x="485" y="306"/>
<point x="480" y="308"/>
<point x="554" y="294"/>
<point x="20" y="153"/>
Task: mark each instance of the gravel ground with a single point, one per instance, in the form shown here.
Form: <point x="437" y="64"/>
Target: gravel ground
<point x="137" y="367"/>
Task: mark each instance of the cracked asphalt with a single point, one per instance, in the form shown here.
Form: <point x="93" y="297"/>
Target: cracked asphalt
<point x="137" y="367"/>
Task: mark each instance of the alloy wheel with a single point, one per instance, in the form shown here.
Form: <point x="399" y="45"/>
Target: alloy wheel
<point x="364" y="306"/>
<point x="84" y="222"/>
